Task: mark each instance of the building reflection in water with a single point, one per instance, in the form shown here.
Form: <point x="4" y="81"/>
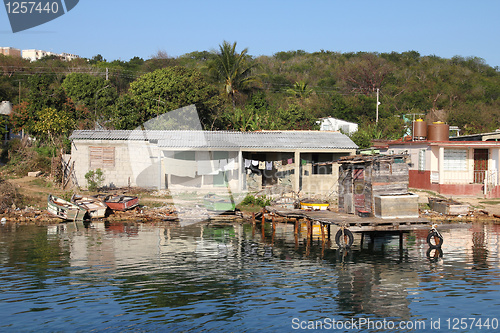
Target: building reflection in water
<point x="210" y="261"/>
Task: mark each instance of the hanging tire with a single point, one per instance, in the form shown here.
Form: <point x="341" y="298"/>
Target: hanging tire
<point x="434" y="239"/>
<point x="345" y="240"/>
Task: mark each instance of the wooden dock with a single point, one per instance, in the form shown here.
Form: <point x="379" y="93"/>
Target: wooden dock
<point x="353" y="222"/>
<point x="346" y="223"/>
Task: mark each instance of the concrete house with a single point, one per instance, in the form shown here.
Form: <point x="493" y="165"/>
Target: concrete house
<point x="451" y="166"/>
<point x="184" y="160"/>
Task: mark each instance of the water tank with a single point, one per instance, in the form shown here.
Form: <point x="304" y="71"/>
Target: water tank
<point x="438" y="131"/>
<point x="419" y="130"/>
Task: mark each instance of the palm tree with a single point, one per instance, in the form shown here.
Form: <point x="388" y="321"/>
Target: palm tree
<point x="231" y="69"/>
<point x="300" y="89"/>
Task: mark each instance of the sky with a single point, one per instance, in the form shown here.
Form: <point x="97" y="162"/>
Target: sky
<point x="123" y="29"/>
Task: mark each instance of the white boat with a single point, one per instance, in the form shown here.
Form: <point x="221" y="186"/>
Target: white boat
<point x="94" y="206"/>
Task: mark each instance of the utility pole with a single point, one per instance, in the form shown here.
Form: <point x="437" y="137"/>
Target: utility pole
<point x="378" y="103"/>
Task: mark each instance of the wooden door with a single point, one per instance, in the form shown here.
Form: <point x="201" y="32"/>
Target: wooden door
<point x="480" y="165"/>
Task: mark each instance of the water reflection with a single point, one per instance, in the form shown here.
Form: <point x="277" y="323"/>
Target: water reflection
<point x="236" y="277"/>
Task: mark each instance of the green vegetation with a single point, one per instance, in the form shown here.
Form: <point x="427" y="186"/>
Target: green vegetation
<point x="94" y="178"/>
<point x="251" y="200"/>
<point x="233" y="90"/>
<point x="490" y="202"/>
<point x="21" y="157"/>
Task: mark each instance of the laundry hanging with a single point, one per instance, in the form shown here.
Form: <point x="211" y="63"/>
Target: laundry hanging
<point x="231" y="165"/>
<point x="208" y="167"/>
<point x="180" y="168"/>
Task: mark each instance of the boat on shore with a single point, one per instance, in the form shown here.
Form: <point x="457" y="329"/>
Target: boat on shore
<point x="121" y="202"/>
<point x="64" y="209"/>
<point x="217" y="203"/>
<point x="95" y="207"/>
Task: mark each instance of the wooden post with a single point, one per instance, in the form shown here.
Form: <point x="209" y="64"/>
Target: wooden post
<point x="273" y="227"/>
<point x="309" y="229"/>
<point x="323" y="237"/>
<point x="263" y="226"/>
<point x="400" y="241"/>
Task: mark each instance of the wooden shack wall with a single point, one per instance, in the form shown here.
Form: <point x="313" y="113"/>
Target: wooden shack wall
<point x="345" y="189"/>
<point x="359" y="183"/>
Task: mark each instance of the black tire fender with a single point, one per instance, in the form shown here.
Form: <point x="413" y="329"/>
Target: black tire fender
<point x="434" y="239"/>
<point x="347" y="241"/>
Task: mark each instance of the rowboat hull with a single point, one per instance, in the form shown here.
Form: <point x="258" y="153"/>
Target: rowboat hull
<point x="94" y="207"/>
<point x="121" y="202"/>
<point x="64" y="209"/>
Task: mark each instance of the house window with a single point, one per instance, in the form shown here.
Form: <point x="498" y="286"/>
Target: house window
<point x="455" y="159"/>
<point x="188" y="155"/>
<point x="102" y="157"/>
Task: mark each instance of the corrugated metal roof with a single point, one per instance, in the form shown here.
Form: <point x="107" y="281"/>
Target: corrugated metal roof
<point x="226" y="139"/>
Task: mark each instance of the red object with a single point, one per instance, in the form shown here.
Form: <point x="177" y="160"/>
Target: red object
<point x="121" y="202"/>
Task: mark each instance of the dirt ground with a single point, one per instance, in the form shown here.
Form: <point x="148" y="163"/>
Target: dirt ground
<point x="478" y="205"/>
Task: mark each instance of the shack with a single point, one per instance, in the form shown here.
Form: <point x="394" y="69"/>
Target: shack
<point x="185" y="160"/>
<point x="376" y="185"/>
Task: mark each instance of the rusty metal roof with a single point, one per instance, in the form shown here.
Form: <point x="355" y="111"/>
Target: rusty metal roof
<point x="226" y="139"/>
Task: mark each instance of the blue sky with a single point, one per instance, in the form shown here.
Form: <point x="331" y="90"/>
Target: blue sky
<point x="122" y="29"/>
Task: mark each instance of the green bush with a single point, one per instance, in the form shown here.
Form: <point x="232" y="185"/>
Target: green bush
<point x="251" y="200"/>
<point x="94" y="179"/>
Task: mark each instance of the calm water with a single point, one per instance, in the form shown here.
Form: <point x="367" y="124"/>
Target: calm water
<point x="229" y="278"/>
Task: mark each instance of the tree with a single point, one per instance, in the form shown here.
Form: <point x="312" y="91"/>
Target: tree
<point x="158" y="61"/>
<point x="231" y="69"/>
<point x="171" y="88"/>
<point x="366" y="73"/>
<point x="125" y="114"/>
<point x="97" y="58"/>
<point x="300" y="90"/>
<point x="53" y="123"/>
<point x="94" y="93"/>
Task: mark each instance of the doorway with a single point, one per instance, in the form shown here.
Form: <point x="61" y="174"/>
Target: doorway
<point x="480" y="165"/>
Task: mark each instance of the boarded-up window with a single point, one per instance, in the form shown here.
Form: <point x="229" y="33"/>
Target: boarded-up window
<point x="455" y="159"/>
<point x="102" y="157"/>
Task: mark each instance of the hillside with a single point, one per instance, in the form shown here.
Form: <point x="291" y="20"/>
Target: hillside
<point x="288" y="90"/>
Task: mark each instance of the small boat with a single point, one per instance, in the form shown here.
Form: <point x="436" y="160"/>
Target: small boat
<point x="94" y="206"/>
<point x="121" y="202"/>
<point x="219" y="203"/>
<point x="65" y="209"/>
<point x="311" y="204"/>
